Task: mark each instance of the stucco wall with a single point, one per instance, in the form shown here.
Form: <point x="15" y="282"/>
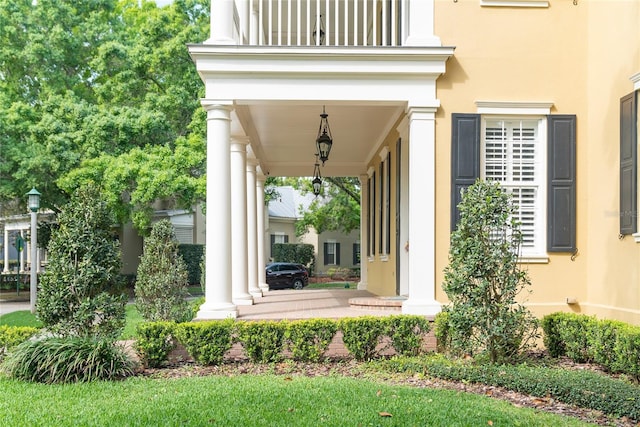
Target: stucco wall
<point x="580" y="58"/>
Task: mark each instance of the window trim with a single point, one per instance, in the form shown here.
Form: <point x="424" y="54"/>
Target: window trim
<point x="524" y="109"/>
<point x="538" y="253"/>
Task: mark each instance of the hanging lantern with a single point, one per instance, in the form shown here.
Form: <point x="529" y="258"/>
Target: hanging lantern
<point x="324" y="140"/>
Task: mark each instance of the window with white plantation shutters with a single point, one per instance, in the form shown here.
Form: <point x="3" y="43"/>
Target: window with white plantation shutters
<point x="512" y="155"/>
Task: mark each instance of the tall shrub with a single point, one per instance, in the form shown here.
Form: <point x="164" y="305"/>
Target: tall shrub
<point x="80" y="292"/>
<point x="483" y="278"/>
<point x="161" y="285"/>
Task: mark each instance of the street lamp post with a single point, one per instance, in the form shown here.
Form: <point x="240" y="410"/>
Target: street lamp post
<point x="34" y="205"/>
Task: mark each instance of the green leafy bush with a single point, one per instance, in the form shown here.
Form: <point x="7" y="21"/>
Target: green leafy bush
<point x="483" y="278"/>
<point x="262" y="341"/>
<point x="207" y="342"/>
<point x="10" y="336"/>
<point x="612" y="344"/>
<point x="80" y="293"/>
<point x="441" y="331"/>
<point x="68" y="359"/>
<point x="161" y="285"/>
<point x="361" y="335"/>
<point x="407" y="333"/>
<point x="309" y="338"/>
<point x="154" y="342"/>
<point x="551" y="336"/>
<point x="192" y="256"/>
<point x="627" y="351"/>
<point x="301" y="253"/>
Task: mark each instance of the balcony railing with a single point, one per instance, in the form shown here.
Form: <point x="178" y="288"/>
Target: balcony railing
<point x="319" y="22"/>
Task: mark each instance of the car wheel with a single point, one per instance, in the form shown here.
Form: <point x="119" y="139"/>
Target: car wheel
<point x="297" y="284"/>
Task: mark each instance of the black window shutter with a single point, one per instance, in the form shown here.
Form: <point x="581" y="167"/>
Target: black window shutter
<point x="273" y="241"/>
<point x="465" y="158"/>
<point x="337" y="254"/>
<point x="628" y="165"/>
<point x="561" y="183"/>
<point x="326" y="253"/>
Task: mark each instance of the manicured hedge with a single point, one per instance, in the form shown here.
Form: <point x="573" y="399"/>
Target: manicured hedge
<point x="612" y="344"/>
<point x="267" y="341"/>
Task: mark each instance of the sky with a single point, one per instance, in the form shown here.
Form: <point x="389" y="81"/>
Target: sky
<point x="161" y="3"/>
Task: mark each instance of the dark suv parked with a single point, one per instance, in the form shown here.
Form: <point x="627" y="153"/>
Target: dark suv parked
<point x="282" y="275"/>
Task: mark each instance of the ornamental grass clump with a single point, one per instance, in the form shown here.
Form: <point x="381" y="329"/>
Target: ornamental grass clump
<point x="68" y="359"/>
<point x="484" y="280"/>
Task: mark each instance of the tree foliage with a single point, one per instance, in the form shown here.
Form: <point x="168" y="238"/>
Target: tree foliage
<point x="101" y="84"/>
<point x="161" y="283"/>
<point x="337" y="208"/>
<point x="80" y="292"/>
<point x="483" y="278"/>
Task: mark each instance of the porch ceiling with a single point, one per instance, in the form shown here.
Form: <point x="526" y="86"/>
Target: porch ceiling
<point x="283" y="134"/>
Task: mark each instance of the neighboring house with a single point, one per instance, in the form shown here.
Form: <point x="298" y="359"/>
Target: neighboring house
<point x="18" y="227"/>
<point x="424" y="97"/>
<point x="333" y="249"/>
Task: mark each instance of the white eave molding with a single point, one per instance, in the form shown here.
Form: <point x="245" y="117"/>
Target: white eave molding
<point x="514" y="3"/>
<point x="635" y="79"/>
<point x="514" y="107"/>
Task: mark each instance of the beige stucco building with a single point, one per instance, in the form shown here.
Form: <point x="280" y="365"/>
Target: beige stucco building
<point x="423" y="97"/>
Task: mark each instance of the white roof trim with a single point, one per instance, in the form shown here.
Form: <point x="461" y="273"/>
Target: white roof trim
<point x="515" y="3"/>
<point x="636" y="81"/>
<point x="514" y="107"/>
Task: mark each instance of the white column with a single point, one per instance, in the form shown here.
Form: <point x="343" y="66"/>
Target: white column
<point x="218" y="304"/>
<point x="243" y="16"/>
<point x="421" y="213"/>
<point x="239" y="264"/>
<point x="419" y="19"/>
<point x="221" y="22"/>
<point x="260" y="214"/>
<point x="364" y="228"/>
<point x="22" y="252"/>
<point x="5" y="249"/>
<point x="252" y="228"/>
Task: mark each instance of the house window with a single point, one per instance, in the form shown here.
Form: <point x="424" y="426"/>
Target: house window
<point x="384" y="205"/>
<point x="356" y="253"/>
<point x="278" y="237"/>
<point x="512" y="153"/>
<point x="372" y="209"/>
<point x="331" y="253"/>
<point x="533" y="156"/>
<point x="380" y="210"/>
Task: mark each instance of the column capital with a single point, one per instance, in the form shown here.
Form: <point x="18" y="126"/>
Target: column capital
<point x="217" y="104"/>
<point x="415" y="112"/>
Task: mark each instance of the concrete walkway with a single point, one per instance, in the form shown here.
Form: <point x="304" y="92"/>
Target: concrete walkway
<point x="281" y="304"/>
<point x="308" y="303"/>
<point x="11" y="306"/>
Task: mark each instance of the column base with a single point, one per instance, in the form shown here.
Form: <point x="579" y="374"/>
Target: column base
<point x="256" y="293"/>
<point x="245" y="299"/>
<point x="362" y="286"/>
<point x="217" y="311"/>
<point x="424" y="307"/>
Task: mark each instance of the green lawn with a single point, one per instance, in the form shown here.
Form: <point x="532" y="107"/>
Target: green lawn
<point x="20" y="318"/>
<point x="25" y="318"/>
<point x="262" y="400"/>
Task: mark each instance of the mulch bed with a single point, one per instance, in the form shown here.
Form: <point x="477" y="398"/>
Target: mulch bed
<point x="352" y="368"/>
